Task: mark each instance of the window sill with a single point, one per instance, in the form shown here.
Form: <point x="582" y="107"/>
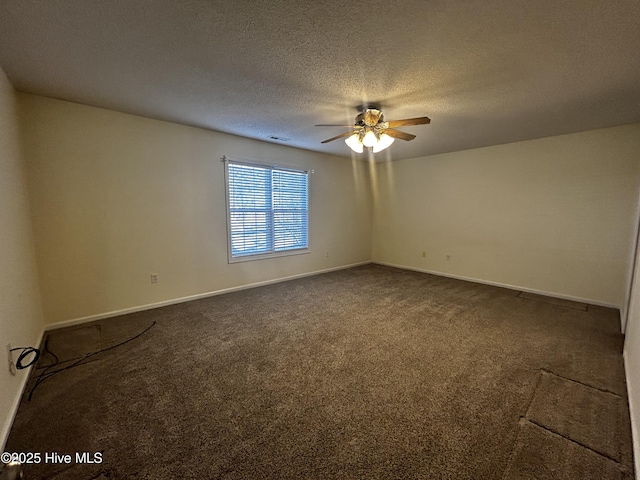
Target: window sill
<point x="264" y="256"/>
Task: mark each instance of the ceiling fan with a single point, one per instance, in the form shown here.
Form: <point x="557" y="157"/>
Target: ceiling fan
<point x="370" y="130"/>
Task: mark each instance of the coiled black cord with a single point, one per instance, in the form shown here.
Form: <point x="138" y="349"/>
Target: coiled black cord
<point x="26" y="351"/>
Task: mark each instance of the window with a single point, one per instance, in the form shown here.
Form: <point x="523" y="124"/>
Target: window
<point x="267" y="210"/>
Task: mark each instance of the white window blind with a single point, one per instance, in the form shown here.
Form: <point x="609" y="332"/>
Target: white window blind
<point x="268" y="209"/>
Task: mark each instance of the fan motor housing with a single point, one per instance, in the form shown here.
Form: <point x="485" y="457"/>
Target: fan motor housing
<point x="369" y="117"/>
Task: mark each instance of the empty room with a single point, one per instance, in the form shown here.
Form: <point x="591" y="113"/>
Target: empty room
<point x="320" y="240"/>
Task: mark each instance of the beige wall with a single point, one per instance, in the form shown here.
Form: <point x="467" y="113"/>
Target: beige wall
<point x="632" y="358"/>
<point x="117" y="197"/>
<point x="554" y="215"/>
<point x="20" y="308"/>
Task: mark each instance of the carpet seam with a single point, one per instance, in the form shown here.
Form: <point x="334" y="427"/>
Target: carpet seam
<point x="522" y="418"/>
<point x="574" y="441"/>
<point x="533" y="395"/>
<point x="514" y="449"/>
<point x="603" y="390"/>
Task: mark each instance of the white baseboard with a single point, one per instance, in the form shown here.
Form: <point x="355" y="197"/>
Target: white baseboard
<point x="26" y="373"/>
<point x="503" y="285"/>
<point x="632" y="414"/>
<point x="150" y="306"/>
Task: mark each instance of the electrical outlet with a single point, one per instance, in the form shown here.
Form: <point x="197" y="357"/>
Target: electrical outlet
<point x="12" y="366"/>
<point x="154" y="278"/>
<point x="424" y="254"/>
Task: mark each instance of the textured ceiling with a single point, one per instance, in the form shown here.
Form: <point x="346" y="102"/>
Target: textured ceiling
<point x="486" y="72"/>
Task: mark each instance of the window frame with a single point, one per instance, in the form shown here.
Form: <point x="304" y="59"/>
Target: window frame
<point x="271" y="254"/>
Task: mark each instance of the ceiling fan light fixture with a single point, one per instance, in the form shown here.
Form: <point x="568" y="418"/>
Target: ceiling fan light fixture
<point x="354" y="143"/>
<point x="384" y="142"/>
<point x="373" y="132"/>
<point x="370" y="139"/>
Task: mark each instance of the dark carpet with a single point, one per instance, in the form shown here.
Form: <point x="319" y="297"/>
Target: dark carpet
<point x="366" y="373"/>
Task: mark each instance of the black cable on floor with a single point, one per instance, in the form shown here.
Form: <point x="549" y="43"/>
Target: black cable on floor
<point x="45" y="376"/>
